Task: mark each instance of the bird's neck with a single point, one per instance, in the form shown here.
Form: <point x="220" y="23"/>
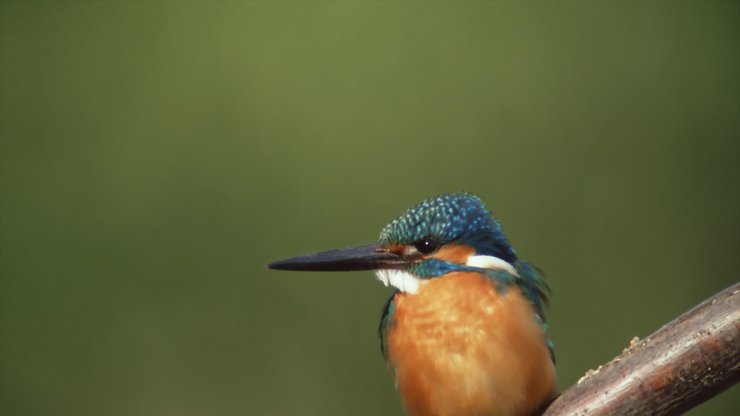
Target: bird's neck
<point x="450" y="259"/>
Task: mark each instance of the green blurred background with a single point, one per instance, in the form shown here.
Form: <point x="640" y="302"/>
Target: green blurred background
<point x="155" y="156"/>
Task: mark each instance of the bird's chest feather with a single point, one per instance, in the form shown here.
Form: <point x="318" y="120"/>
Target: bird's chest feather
<point x="459" y="346"/>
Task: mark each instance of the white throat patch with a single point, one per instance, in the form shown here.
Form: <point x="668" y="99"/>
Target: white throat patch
<point x="400" y="279"/>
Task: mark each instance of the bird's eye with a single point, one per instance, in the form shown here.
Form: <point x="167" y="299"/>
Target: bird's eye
<point x="425" y="246"/>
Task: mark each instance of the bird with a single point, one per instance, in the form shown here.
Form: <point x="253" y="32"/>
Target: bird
<point x="463" y="331"/>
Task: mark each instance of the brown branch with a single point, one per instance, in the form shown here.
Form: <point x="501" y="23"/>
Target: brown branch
<point x="683" y="364"/>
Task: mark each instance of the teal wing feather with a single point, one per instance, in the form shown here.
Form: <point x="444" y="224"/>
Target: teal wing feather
<point x="534" y="288"/>
<point x="386" y="320"/>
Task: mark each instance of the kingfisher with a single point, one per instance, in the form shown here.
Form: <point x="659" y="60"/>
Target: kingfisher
<point x="463" y="331"/>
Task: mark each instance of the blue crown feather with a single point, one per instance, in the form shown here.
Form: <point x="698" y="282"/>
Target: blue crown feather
<point x="448" y="218"/>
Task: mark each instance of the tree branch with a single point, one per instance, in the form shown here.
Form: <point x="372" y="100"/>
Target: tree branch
<point x="683" y="364"/>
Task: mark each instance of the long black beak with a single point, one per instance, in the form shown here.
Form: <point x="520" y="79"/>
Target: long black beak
<point x="370" y="257"/>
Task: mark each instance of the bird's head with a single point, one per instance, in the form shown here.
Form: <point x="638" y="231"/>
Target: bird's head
<point x="440" y="235"/>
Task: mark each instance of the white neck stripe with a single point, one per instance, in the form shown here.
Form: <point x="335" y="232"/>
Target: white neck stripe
<point x="491" y="262"/>
<point x="408" y="283"/>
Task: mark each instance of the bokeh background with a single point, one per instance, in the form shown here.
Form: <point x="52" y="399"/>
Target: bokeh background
<point x="156" y="155"/>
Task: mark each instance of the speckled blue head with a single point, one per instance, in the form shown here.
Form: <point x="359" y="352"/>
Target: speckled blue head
<point x="451" y="218"/>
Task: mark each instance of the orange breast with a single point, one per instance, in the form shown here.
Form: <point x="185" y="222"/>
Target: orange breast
<point x="461" y="347"/>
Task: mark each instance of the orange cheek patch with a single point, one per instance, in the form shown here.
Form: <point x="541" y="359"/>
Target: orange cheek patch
<point x="454" y="253"/>
<point x="395" y="248"/>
